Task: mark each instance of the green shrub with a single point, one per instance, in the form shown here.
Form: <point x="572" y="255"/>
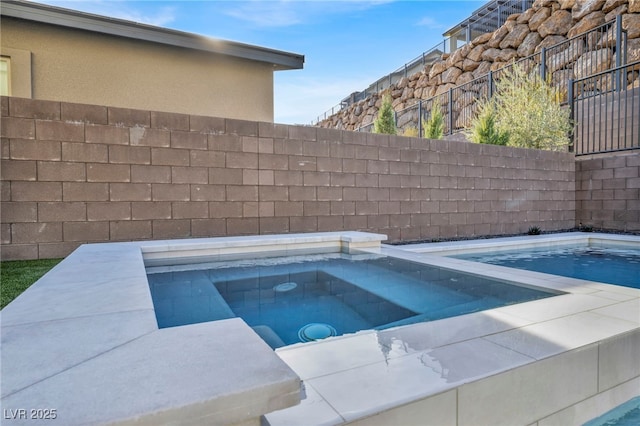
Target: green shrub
<point x="534" y="230"/>
<point x="411" y="132"/>
<point x="585" y="228"/>
<point x="434" y="126"/>
<point x="529" y="109"/>
<point x="483" y="126"/>
<point x="385" y="123"/>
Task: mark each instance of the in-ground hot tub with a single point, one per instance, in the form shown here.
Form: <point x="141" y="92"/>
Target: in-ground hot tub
<point x="303" y="298"/>
<point x="83" y="342"/>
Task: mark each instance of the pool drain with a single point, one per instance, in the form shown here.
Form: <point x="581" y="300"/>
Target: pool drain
<point x="316" y="331"/>
<point x="281" y="288"/>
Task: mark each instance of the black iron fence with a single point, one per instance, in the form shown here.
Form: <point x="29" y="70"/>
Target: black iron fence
<point x="605" y="108"/>
<point x="494" y="14"/>
<point x="410" y="68"/>
<point x="486" y="19"/>
<point x="585" y="54"/>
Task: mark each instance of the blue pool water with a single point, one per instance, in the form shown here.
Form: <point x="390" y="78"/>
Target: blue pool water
<point x="627" y="414"/>
<point x="337" y="293"/>
<point x="606" y="265"/>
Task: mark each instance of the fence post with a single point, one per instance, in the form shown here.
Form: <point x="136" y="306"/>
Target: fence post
<point x="619" y="49"/>
<point x="543" y="64"/>
<point x="420" y="119"/>
<point x="450" y="112"/>
<point x="619" y="53"/>
<point x="571" y="115"/>
<point x="490" y="85"/>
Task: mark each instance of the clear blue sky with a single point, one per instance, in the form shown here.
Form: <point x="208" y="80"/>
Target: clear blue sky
<point x="347" y="44"/>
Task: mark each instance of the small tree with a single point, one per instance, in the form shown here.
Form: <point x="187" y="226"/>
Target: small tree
<point x="385" y="123"/>
<point x="529" y="109"/>
<point x="483" y="126"/>
<point x="434" y="126"/>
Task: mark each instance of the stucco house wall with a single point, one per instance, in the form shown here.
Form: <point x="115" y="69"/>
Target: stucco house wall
<point x="54" y="61"/>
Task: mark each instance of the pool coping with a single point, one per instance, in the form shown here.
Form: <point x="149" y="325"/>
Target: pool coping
<point x="450" y="248"/>
<point x="91" y="318"/>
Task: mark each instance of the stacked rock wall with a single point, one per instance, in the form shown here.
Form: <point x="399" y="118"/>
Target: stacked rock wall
<point x="546" y="24"/>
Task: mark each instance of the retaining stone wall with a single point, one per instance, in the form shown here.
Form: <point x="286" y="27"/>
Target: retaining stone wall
<point x="545" y="24"/>
<point x="73" y="174"/>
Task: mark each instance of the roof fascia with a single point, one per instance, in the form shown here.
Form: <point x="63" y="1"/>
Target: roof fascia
<point x="101" y="24"/>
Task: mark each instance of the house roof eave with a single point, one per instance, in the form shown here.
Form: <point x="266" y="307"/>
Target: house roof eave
<point x="37" y="12"/>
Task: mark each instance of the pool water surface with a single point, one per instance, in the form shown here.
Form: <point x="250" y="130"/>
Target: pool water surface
<point x="609" y="265"/>
<point x="336" y="293"/>
<point x="627" y="414"/>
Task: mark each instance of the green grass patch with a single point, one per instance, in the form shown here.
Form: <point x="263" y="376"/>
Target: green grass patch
<point x="17" y="276"/>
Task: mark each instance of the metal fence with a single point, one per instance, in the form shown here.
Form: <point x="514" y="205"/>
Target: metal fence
<point x="410" y="68"/>
<point x="580" y="56"/>
<point x="367" y="128"/>
<point x="605" y="108"/>
<point x="488" y="18"/>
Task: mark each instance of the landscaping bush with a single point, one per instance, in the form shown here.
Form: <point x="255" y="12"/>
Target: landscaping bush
<point x="385" y="123"/>
<point x="524" y="112"/>
<point x="528" y="108"/>
<point x="534" y="230"/>
<point x="483" y="126"/>
<point x="434" y="126"/>
<point x="411" y="132"/>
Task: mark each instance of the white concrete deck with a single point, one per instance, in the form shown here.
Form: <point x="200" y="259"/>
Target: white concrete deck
<point x="84" y="341"/>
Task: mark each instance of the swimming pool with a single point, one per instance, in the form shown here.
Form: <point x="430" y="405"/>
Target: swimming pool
<point x="606" y="264"/>
<point x="568" y="355"/>
<point x="627" y="414"/>
<point x="294" y="299"/>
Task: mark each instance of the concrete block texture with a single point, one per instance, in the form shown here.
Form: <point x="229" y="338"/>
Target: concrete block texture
<point x="21" y="128"/>
<point x="215" y="176"/>
<point x="94" y="114"/>
<point x="608" y="191"/>
<point x="125" y="117"/>
<point x="18" y="170"/>
<point x="97" y="133"/>
<point x="29" y="108"/>
<point x="169" y="121"/>
<point x="47" y="130"/>
<point x="24" y="149"/>
<point x="81" y="152"/>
